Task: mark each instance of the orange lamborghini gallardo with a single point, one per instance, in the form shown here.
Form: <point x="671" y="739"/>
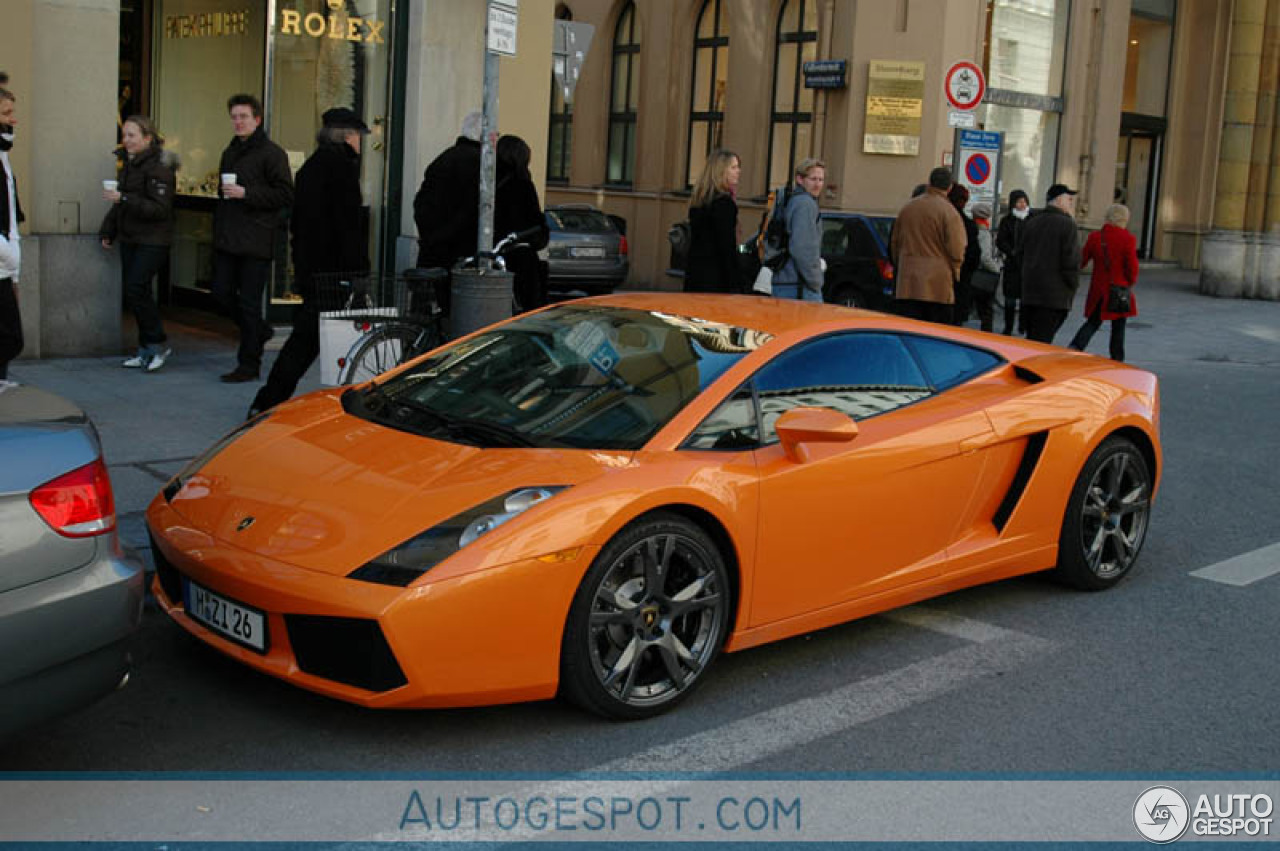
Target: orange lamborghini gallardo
<point x="597" y="498"/>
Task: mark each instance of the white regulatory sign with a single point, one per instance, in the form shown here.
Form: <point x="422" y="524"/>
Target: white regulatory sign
<point x="503" y="18"/>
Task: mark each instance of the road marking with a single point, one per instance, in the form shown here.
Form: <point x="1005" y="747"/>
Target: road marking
<point x="1244" y="569"/>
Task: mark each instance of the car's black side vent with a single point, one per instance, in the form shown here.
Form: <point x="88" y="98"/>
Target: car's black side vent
<point x="170" y="579"/>
<point x="346" y="650"/>
<point x="1030" y="458"/>
<point x="1026" y="375"/>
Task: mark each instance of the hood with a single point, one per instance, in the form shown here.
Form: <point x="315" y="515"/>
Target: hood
<point x="328" y="491"/>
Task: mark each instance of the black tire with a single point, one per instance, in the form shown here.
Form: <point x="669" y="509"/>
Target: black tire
<point x="1107" y="517"/>
<point x="847" y="295"/>
<point x="629" y="653"/>
<point x="385" y="348"/>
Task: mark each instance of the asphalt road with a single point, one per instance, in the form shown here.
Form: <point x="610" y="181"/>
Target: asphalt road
<point x="1166" y="672"/>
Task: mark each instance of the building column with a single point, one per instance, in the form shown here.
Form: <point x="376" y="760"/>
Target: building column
<point x="1241" y="257"/>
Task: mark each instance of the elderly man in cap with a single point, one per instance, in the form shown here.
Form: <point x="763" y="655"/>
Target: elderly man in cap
<point x="330" y="243"/>
<point x="1050" y="264"/>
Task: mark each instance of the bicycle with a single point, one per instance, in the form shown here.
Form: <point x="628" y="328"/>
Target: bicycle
<point x="417" y="324"/>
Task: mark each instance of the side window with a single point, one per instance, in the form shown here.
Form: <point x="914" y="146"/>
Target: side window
<point x="730" y="426"/>
<point x="864" y="243"/>
<point x="859" y="374"/>
<point x="835" y="238"/>
<point x="948" y="364"/>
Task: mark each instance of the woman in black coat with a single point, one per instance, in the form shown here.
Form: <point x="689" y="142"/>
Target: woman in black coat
<point x="516" y="208"/>
<point x="141" y="222"/>
<point x="713" y="228"/>
<point x="1009" y="243"/>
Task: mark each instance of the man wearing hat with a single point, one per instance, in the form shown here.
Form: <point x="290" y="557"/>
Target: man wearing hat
<point x="1050" y="264"/>
<point x="330" y="243"/>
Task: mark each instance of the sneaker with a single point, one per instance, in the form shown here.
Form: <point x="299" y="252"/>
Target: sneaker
<point x="158" y="357"/>
<point x="137" y="361"/>
<point x="7" y="383"/>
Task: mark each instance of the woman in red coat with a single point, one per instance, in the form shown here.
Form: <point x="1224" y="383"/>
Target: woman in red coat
<point x="1114" y="253"/>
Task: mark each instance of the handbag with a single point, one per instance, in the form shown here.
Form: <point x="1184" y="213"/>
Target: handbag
<point x="1119" y="299"/>
<point x="984" y="281"/>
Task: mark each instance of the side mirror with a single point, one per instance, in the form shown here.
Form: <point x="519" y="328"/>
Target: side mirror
<point x="800" y="426"/>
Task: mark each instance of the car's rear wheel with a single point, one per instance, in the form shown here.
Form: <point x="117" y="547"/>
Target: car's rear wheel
<point x="847" y="295"/>
<point x="647" y="621"/>
<point x="1107" y="516"/>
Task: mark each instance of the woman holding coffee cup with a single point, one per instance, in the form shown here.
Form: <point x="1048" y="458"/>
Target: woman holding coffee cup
<point x="141" y="222"/>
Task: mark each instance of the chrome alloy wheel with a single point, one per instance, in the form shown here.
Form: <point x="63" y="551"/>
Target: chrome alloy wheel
<point x="657" y="619"/>
<point x="1117" y="506"/>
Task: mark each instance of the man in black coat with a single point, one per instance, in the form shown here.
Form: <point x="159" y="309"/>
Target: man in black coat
<point x="244" y="228"/>
<point x="1050" y="264"/>
<point x="447" y="206"/>
<point x="330" y="243"/>
<point x="10" y="256"/>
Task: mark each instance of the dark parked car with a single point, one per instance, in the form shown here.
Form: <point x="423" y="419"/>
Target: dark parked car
<point x="69" y="597"/>
<point x="855" y="246"/>
<point x="587" y="250"/>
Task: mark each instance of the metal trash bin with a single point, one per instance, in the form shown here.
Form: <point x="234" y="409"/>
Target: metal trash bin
<point x="480" y="297"/>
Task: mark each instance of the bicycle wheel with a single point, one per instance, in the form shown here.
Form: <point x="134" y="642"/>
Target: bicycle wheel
<point x="385" y="347"/>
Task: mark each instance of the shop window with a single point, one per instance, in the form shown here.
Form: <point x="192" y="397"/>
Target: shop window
<point x="1146" y="69"/>
<point x="791" y="121"/>
<point x="710" y="76"/>
<point x="560" y="126"/>
<point x="1025" y="60"/>
<point x="623" y="98"/>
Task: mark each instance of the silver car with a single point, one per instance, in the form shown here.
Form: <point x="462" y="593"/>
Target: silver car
<point x="586" y="250"/>
<point x="69" y="596"/>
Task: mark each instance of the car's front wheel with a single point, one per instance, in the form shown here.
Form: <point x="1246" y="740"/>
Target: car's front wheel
<point x="1106" y="519"/>
<point x="647" y="621"/>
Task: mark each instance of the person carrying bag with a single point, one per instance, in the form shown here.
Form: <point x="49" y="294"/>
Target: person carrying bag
<point x="1114" y="253"/>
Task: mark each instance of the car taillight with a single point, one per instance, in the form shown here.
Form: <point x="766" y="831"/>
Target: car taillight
<point x="78" y="504"/>
<point x="886" y="268"/>
<point x="622" y="246"/>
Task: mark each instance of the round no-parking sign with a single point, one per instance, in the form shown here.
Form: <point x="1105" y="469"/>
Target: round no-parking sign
<point x="977" y="169"/>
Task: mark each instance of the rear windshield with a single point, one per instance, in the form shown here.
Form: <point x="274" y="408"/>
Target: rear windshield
<point x="583" y="221"/>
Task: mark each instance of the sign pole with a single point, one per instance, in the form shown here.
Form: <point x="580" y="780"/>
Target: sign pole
<point x="488" y="153"/>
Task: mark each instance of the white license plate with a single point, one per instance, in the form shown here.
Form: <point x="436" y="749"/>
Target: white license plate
<point x="237" y="622"/>
<point x="587" y="251"/>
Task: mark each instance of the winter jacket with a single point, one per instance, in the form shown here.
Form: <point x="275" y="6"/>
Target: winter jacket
<point x="972" y="252"/>
<point x="928" y="247"/>
<point x="10" y="217"/>
<point x="247" y="226"/>
<point x="516" y="208"/>
<point x="1009" y="243"/>
<point x="713" y="248"/>
<point x="144" y="213"/>
<point x="1117" y="265"/>
<point x="804" y="243"/>
<point x="329" y="229"/>
<point x="1050" y="259"/>
<point x="447" y="206"/>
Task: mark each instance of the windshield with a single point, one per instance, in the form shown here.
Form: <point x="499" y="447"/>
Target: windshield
<point x="589" y="377"/>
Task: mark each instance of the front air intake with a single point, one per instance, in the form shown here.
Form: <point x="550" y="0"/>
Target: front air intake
<point x="345" y="650"/>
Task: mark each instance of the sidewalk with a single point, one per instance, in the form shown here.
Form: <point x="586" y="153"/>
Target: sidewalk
<point x="152" y="424"/>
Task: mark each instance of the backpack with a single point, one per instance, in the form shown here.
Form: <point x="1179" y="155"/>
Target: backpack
<point x="771" y="241"/>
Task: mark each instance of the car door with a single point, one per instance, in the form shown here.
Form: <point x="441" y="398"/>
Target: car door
<point x="870" y="515"/>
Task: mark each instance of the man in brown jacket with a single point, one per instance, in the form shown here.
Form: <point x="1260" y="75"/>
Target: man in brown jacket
<point x="928" y="248"/>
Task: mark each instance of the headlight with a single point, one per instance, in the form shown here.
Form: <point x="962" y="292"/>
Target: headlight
<point x="405" y="563"/>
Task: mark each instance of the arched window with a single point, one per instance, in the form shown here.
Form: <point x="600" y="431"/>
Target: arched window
<point x="710" y="74"/>
<point x="623" y="96"/>
<point x="560" y="130"/>
<point x="791" y="123"/>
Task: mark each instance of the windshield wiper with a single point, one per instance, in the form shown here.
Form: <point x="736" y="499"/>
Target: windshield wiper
<point x="484" y="431"/>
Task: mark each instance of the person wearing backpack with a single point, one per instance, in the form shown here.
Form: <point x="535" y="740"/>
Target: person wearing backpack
<point x="801" y="277"/>
<point x="713" y="227"/>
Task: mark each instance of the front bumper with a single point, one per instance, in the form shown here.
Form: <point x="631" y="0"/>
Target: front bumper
<point x="492" y="636"/>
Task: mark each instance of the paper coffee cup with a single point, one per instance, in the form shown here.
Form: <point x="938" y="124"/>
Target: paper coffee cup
<point x="228" y="178"/>
<point x="110" y="185"/>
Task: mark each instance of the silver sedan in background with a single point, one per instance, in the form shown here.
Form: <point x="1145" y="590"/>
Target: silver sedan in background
<point x="69" y="595"/>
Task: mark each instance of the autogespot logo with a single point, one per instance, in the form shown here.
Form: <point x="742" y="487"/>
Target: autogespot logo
<point x="1161" y="814"/>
